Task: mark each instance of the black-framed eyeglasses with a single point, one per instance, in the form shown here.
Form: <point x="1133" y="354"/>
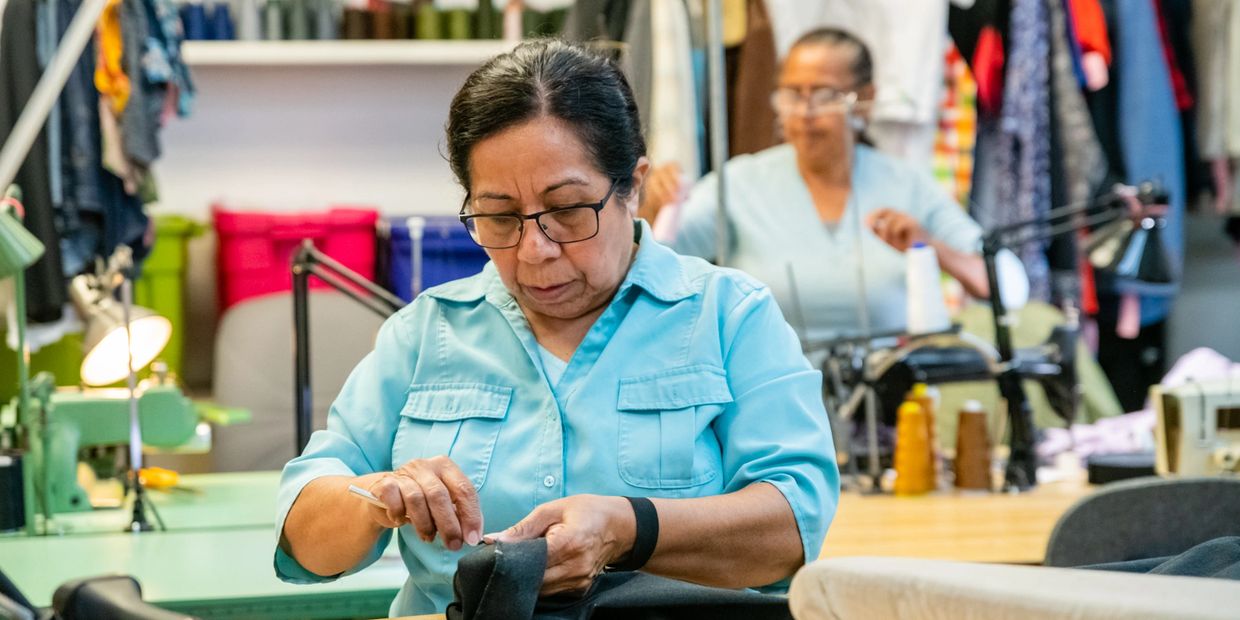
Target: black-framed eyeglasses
<point x="562" y="224"/>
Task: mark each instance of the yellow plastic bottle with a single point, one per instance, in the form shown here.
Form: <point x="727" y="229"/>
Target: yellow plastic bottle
<point x="921" y="394"/>
<point x="914" y="472"/>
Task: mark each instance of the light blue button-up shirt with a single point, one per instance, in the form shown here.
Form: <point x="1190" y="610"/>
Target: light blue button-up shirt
<point x="689" y="384"/>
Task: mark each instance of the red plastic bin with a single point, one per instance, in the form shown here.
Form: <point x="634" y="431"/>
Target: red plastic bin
<point x="255" y="249"/>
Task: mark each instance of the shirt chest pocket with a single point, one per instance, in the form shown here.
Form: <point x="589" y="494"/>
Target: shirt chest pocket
<point x="662" y="416"/>
<point x="459" y="420"/>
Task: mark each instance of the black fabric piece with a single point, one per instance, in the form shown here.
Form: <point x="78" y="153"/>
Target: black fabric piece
<point x="1104" y="468"/>
<point x="1132" y="366"/>
<point x="1218" y="559"/>
<point x="501" y="582"/>
<point x="1104" y="107"/>
<point x="596" y="19"/>
<point x="19" y="72"/>
<point x="646" y="535"/>
<point x="1178" y="15"/>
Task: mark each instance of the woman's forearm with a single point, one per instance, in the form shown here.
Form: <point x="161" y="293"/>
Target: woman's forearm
<point x="744" y="539"/>
<point x="967" y="268"/>
<point x="326" y="531"/>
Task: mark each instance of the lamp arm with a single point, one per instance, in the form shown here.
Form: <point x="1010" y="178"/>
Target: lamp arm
<point x="311" y="258"/>
<point x="39" y="106"/>
<point x="309" y="261"/>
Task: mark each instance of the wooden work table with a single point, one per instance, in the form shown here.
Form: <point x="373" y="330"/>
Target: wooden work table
<point x="995" y="527"/>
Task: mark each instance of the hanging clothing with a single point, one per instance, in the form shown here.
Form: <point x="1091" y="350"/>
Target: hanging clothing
<point x="978" y="31"/>
<point x="110" y="76"/>
<point x="1150" y="138"/>
<point x="1013" y="183"/>
<point x="957" y="131"/>
<point x="596" y="19"/>
<point x="751" y="119"/>
<point x="79" y="209"/>
<point x="162" y="61"/>
<point x="1090" y="25"/>
<point x="1216" y="48"/>
<point x="637" y="59"/>
<point x="140" y="121"/>
<point x="19" y="72"/>
<point x="1082" y="166"/>
<point x="674" y="120"/>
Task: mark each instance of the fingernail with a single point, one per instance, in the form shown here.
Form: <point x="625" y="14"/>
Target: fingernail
<point x="453" y="545"/>
<point x="490" y="538"/>
<point x="472" y="538"/>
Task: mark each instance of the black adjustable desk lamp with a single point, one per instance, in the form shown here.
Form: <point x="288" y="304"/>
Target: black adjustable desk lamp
<point x="309" y="261"/>
<point x="1126" y="244"/>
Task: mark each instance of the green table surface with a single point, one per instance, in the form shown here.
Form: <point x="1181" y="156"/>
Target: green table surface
<point x="214" y="561"/>
<point x="201" y="502"/>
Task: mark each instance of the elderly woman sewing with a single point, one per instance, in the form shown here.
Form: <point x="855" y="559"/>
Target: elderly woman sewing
<point x="587" y="381"/>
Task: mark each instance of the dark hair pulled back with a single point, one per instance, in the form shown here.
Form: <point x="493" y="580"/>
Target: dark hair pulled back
<point x="551" y="78"/>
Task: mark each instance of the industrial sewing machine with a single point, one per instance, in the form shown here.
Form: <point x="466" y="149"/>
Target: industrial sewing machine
<point x="1198" y="428"/>
<point x="77" y="419"/>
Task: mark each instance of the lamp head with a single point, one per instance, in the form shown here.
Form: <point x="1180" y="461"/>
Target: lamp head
<point x="105" y="342"/>
<point x="18" y="248"/>
<point x="1130" y="247"/>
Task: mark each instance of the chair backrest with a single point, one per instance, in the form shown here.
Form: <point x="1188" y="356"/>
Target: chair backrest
<point x="1145" y="518"/>
<point x="254" y="370"/>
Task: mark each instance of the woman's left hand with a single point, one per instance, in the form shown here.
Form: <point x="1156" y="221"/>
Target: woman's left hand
<point x="896" y="228"/>
<point x="584" y="534"/>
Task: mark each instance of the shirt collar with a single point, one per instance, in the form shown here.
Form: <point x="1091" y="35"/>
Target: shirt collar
<point x="656" y="270"/>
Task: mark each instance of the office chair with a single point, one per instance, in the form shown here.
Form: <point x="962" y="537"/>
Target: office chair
<point x="1145" y="518"/>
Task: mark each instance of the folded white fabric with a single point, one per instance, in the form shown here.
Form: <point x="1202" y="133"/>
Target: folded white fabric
<point x="909" y="589"/>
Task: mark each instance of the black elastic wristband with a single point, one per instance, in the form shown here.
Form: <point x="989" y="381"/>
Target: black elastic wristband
<point x="645" y="537"/>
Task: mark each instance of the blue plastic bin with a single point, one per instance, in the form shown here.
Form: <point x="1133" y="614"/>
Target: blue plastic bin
<point x="447" y="254"/>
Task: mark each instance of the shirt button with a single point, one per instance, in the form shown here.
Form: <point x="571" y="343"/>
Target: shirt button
<point x="549" y="481"/>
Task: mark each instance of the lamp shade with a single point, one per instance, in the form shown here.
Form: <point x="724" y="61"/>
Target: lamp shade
<point x="106" y="343"/>
<point x="1144" y="259"/>
<point x="1131" y="250"/>
<point x="1103" y="245"/>
<point x="18" y="248"/>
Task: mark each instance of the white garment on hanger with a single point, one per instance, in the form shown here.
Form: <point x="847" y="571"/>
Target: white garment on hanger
<point x="1212" y="50"/>
<point x="544" y="6"/>
<point x="38" y="335"/>
<point x="455" y="5"/>
<point x="673" y="119"/>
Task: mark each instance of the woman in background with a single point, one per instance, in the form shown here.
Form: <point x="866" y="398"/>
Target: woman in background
<point x="798" y="211"/>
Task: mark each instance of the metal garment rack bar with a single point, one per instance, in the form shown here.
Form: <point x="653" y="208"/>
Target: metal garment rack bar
<point x="717" y="96"/>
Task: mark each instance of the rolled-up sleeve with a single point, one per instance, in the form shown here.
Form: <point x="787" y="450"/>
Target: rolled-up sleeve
<point x="776" y="429"/>
<point x="695" y="229"/>
<point x="358" y="439"/>
<point x="943" y="218"/>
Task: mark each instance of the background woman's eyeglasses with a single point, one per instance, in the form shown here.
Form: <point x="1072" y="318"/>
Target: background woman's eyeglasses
<point x="561" y="224"/>
<point x="819" y="101"/>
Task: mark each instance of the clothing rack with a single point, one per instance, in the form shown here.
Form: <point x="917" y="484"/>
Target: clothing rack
<point x="43" y="99"/>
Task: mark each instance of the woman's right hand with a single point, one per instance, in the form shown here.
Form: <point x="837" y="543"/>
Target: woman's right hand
<point x="435" y="497"/>
<point x="666" y="185"/>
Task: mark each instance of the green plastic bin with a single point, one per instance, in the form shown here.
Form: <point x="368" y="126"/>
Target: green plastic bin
<point x="62" y="358"/>
<point x="162" y="285"/>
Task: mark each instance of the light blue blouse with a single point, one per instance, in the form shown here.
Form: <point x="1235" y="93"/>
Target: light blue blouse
<point x="777" y="237"/>
<point x="689" y="384"/>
